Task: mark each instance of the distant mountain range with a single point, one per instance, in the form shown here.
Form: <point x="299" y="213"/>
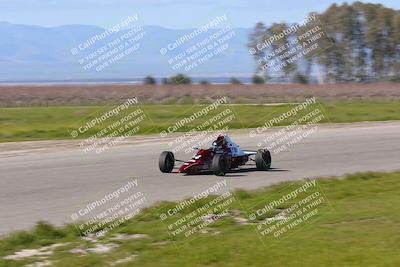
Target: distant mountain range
<point x="43" y="53"/>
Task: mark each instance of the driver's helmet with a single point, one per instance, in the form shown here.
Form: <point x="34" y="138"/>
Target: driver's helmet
<point x="220" y="140"/>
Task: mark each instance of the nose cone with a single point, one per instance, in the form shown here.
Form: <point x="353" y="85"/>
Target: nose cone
<point x="182" y="169"/>
<point x="189" y="166"/>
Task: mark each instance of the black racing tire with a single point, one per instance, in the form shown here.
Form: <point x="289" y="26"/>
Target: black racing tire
<point x="166" y="162"/>
<point x="220" y="165"/>
<point x="263" y="160"/>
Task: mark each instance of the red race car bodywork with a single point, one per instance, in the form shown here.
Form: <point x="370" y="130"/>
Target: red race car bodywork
<point x="223" y="156"/>
<point x="202" y="162"/>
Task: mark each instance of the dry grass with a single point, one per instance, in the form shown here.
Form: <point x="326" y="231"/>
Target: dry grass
<point x="11" y="96"/>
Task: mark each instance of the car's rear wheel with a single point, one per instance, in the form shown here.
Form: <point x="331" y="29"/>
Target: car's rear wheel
<point x="263" y="159"/>
<point x="166" y="162"/>
<point x="220" y="165"/>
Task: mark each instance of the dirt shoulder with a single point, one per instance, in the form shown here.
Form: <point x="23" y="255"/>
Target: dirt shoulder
<point x="12" y="96"/>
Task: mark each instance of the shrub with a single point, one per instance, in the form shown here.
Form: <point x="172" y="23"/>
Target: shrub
<point x="300" y="78"/>
<point x="258" y="79"/>
<point x="180" y="79"/>
<point x="395" y="79"/>
<point x="149" y="80"/>
<point x="235" y="81"/>
<point x="204" y="82"/>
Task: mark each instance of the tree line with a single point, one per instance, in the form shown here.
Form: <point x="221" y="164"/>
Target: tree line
<point x="365" y="46"/>
<point x="181" y="79"/>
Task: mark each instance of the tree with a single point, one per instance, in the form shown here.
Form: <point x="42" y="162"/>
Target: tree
<point x="359" y="45"/>
<point x="281" y="45"/>
<point x="204" y="82"/>
<point x="180" y="79"/>
<point x="396" y="39"/>
<point x="257" y="79"/>
<point x="300" y="78"/>
<point x="149" y="80"/>
<point x="364" y="44"/>
<point x="257" y="37"/>
<point x="234" y="80"/>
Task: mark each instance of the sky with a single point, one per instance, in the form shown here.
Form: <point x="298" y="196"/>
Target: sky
<point x="174" y="14"/>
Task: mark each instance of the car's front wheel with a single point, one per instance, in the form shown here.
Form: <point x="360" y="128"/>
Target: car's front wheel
<point x="220" y="165"/>
<point x="263" y="159"/>
<point x="166" y="162"/>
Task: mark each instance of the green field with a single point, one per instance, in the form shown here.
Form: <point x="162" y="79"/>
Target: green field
<point x="42" y="123"/>
<point x="356" y="225"/>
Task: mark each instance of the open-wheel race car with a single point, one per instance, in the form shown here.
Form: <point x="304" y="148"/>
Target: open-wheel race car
<point x="220" y="158"/>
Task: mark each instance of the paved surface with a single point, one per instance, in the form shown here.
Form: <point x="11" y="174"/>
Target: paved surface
<point x="51" y="180"/>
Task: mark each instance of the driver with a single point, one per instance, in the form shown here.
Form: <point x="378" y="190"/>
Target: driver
<point x="220" y="144"/>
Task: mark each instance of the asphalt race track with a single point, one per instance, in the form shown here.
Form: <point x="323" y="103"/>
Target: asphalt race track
<point x="51" y="182"/>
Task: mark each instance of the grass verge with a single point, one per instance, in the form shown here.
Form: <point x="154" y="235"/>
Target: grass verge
<point x="357" y="226"/>
<point x="46" y="123"/>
